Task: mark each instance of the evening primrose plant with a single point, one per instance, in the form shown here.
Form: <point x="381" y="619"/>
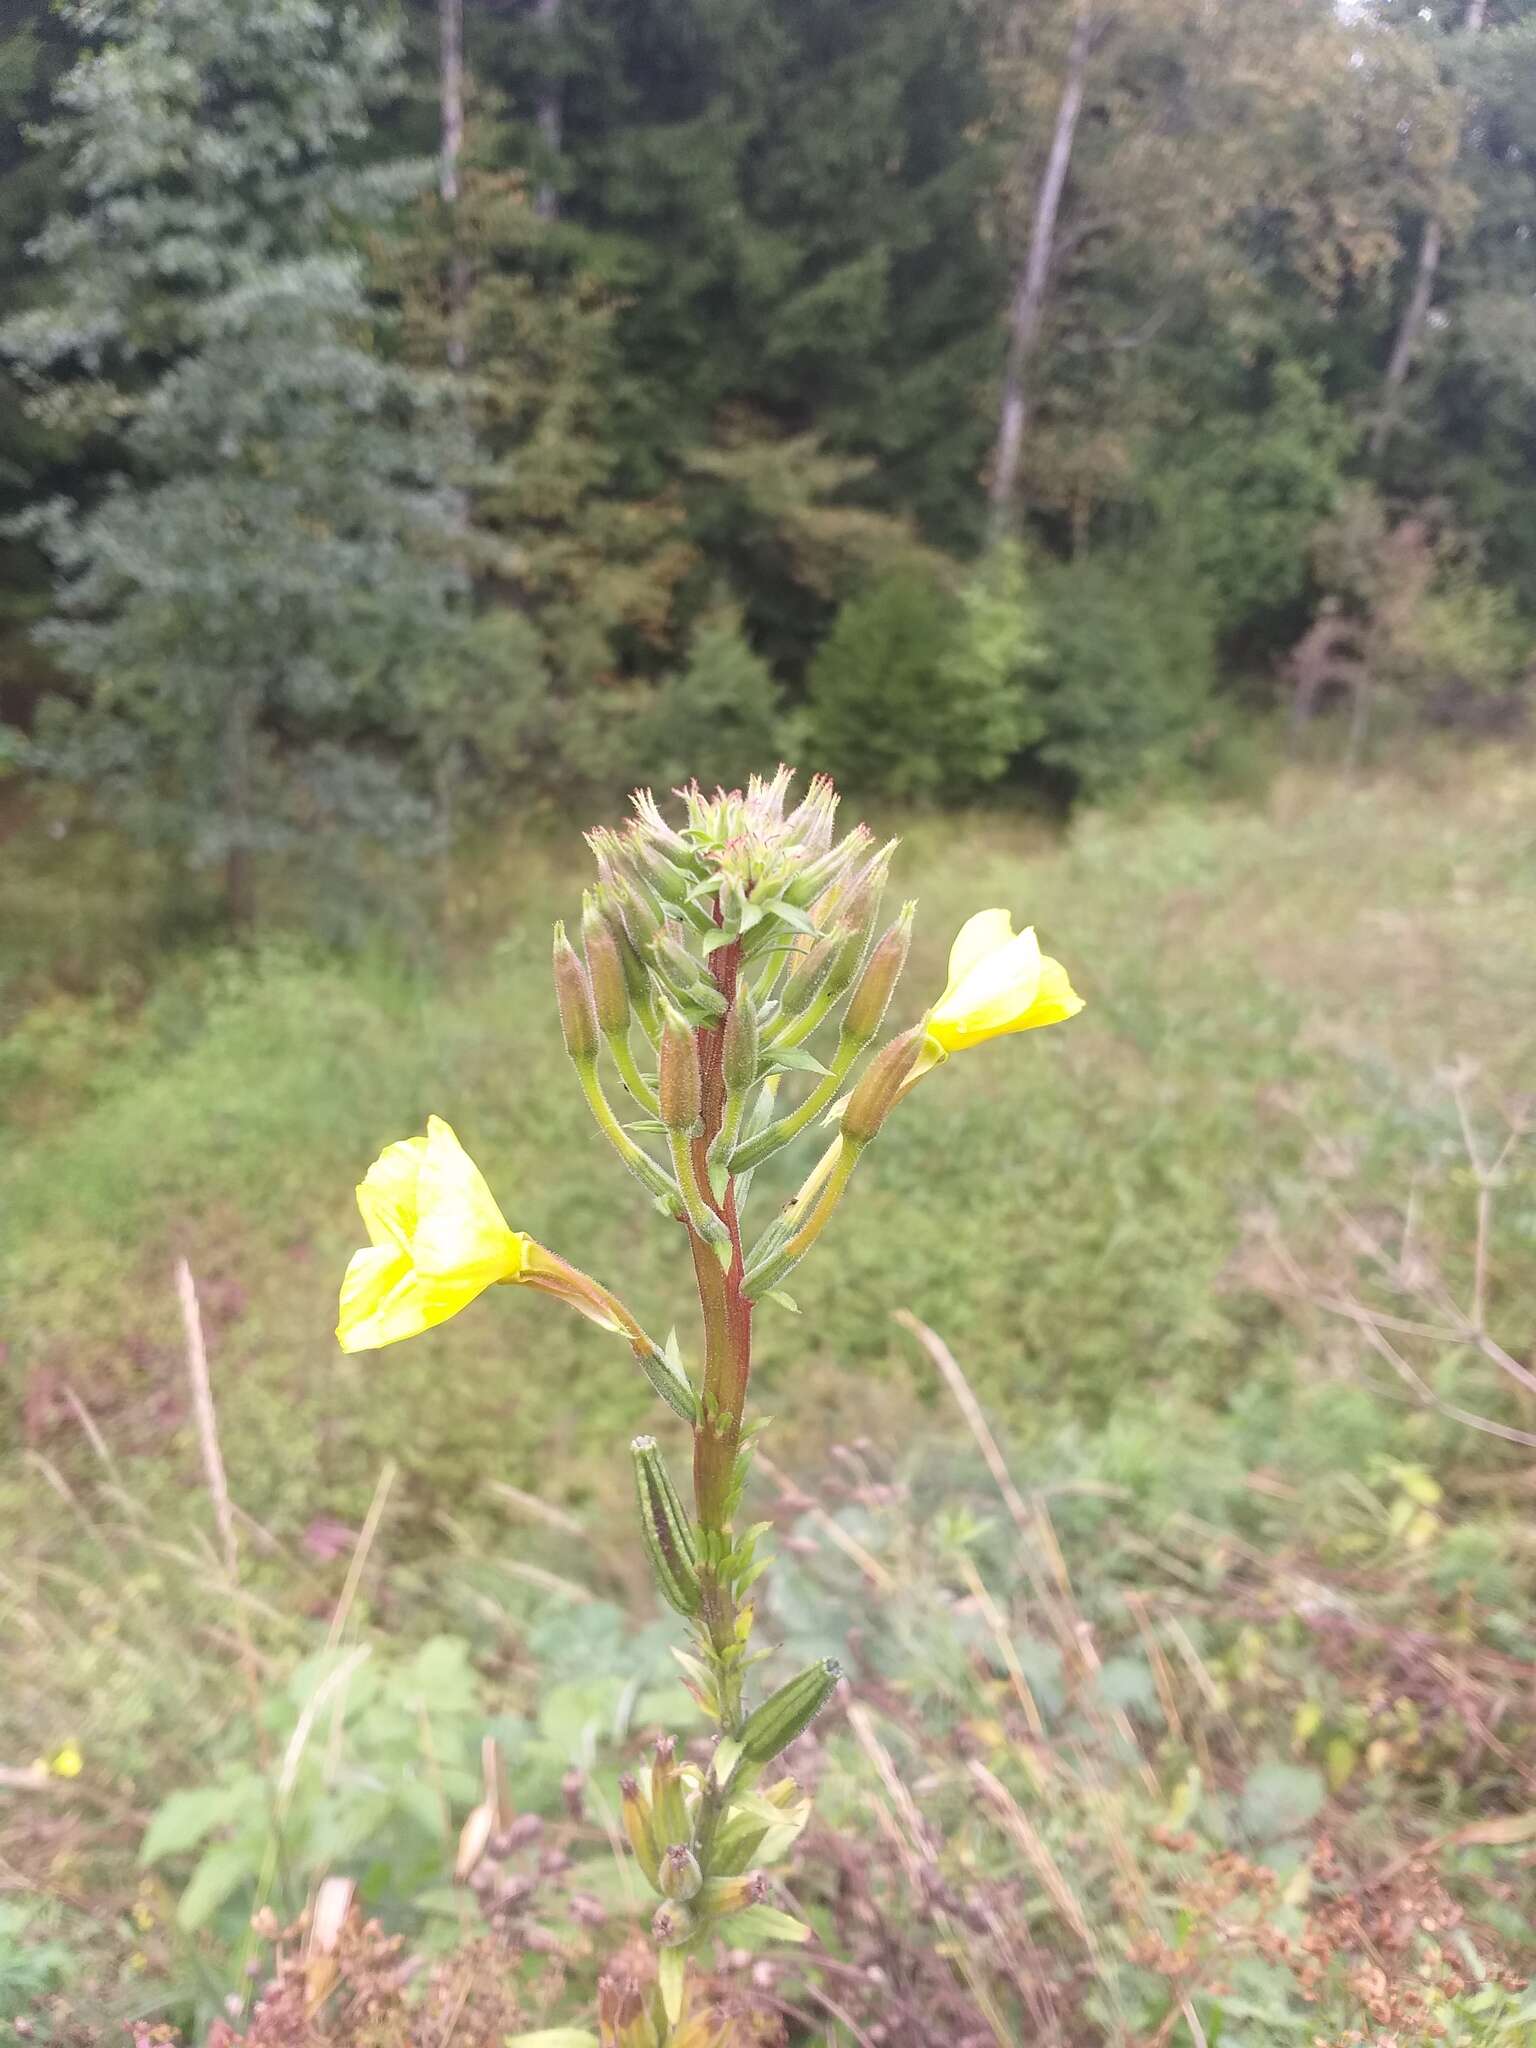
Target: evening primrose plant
<point x="724" y="960"/>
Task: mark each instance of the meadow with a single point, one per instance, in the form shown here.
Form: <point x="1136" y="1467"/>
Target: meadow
<point x="1254" y="1610"/>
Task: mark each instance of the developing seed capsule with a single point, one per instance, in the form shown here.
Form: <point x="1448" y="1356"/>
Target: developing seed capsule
<point x="635" y="1809"/>
<point x="789" y="1712"/>
<point x="877" y="984"/>
<point x="665" y="1529"/>
<point x="738" y="1050"/>
<point x="578" y="1021"/>
<point x="680" y="1875"/>
<point x="668" y="1805"/>
<point x="677" y="1082"/>
<point x="733" y="1894"/>
<point x="880" y="1086"/>
<point x="605" y="970"/>
<point x="673" y="1923"/>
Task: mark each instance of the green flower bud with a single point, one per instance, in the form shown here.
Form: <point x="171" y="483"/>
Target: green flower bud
<point x="680" y="1876"/>
<point x="665" y="1529"/>
<point x="877" y="984"/>
<point x="738" y="1051"/>
<point x="678" y="1084"/>
<point x="789" y="1712"/>
<point x="605" y="970"/>
<point x="880" y="1085"/>
<point x="578" y="1020"/>
<point x="808" y="974"/>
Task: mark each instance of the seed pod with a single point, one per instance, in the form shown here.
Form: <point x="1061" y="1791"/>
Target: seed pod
<point x="732" y="1894"/>
<point x="789" y="1712"/>
<point x="578" y="1020"/>
<point x="738" y="1051"/>
<point x="605" y="970"/>
<point x="636" y="1811"/>
<point x="668" y="1806"/>
<point x="680" y="1876"/>
<point x="673" y="1923"/>
<point x="677" y="1083"/>
<point x="877" y="984"/>
<point x="665" y="1528"/>
<point x="880" y="1085"/>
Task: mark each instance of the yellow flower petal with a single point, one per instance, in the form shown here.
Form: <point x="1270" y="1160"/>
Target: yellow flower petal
<point x="438" y="1241"/>
<point x="387" y="1194"/>
<point x="999" y="982"/>
<point x="68" y="1763"/>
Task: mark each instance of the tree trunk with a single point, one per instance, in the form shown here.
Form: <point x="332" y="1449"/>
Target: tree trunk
<point x="1416" y="312"/>
<point x="450" y="25"/>
<point x="546" y="200"/>
<point x="1030" y="293"/>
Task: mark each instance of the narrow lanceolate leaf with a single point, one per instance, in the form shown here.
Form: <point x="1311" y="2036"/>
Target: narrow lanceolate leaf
<point x="671" y="1383"/>
<point x="666" y="1529"/>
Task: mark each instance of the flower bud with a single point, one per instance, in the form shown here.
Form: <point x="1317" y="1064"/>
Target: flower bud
<point x="578" y="1021"/>
<point x="680" y="1876"/>
<point x="880" y="1086"/>
<point x="877" y="984"/>
<point x="738" y="1051"/>
<point x="808" y="974"/>
<point x="673" y="1923"/>
<point x="665" y="1529"/>
<point x="678" y="1086"/>
<point x="635" y="1809"/>
<point x="605" y="970"/>
<point x="789" y="1712"/>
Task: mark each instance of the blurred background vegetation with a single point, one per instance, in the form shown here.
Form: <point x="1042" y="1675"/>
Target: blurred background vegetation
<point x="1102" y="433"/>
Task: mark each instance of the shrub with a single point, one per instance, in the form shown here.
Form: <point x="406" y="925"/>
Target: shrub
<point x="718" y="718"/>
<point x="1127" y="691"/>
<point x="915" y="694"/>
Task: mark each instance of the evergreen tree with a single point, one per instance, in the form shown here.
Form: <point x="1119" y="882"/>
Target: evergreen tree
<point x="254" y="604"/>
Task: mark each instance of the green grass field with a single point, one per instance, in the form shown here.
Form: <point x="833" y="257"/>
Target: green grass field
<point x="1278" y="999"/>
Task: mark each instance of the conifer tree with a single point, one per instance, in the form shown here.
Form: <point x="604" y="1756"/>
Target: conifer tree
<point x="253" y="606"/>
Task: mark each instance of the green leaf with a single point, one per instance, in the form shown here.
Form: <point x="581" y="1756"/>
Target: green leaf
<point x="226" y="1867"/>
<point x="784" y="1300"/>
<point x="183" y="1819"/>
<point x="757" y="1924"/>
<point x="795" y="1057"/>
<point x="1279" y="1799"/>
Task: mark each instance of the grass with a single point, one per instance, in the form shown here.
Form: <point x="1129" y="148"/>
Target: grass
<point x="1274" y="995"/>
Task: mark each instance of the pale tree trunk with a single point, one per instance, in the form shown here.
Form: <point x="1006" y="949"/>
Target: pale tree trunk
<point x="1028" y="308"/>
<point x="1411" y="327"/>
<point x="450" y="26"/>
<point x="546" y="200"/>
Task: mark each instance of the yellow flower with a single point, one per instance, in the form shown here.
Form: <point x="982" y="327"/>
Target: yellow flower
<point x="68" y="1763"/>
<point x="438" y="1241"/>
<point x="999" y="981"/>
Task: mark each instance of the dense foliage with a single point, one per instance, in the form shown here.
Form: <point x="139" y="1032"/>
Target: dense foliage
<point x="725" y="338"/>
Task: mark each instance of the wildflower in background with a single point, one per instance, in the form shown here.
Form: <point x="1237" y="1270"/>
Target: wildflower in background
<point x="68" y="1762"/>
<point x="999" y="982"/>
